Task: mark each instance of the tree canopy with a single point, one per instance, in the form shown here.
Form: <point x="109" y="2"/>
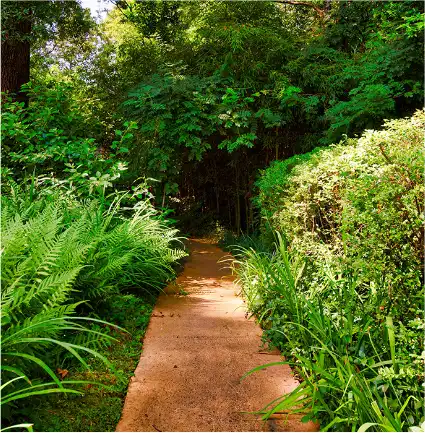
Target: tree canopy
<point x="219" y="89"/>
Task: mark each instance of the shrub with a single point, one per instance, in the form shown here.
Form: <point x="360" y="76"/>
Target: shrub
<point x="340" y="291"/>
<point x="358" y="204"/>
<point x="55" y="135"/>
<point x="357" y="371"/>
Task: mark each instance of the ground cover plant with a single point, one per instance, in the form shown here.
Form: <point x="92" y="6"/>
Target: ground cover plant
<point x="61" y="258"/>
<point x="99" y="408"/>
<point x="341" y="290"/>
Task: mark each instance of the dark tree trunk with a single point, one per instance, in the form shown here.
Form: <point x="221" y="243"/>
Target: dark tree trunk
<point x="15" y="61"/>
<point x="237" y="202"/>
<point x="251" y="215"/>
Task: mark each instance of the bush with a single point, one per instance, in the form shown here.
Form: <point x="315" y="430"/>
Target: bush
<point x="358" y="368"/>
<point x="359" y="204"/>
<point x="340" y="291"/>
<point x="55" y="135"/>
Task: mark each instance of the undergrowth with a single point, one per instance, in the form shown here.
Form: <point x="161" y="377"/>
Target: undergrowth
<point x="99" y="408"/>
<point x="63" y="260"/>
<point x="336" y="281"/>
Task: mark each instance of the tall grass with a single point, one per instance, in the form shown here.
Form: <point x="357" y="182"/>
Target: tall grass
<point x="351" y="376"/>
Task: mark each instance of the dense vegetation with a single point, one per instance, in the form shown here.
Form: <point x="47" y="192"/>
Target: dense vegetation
<point x="223" y="114"/>
<point x="341" y="293"/>
<point x="62" y="257"/>
<point x="218" y="89"/>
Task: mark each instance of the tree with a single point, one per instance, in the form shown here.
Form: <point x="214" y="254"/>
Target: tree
<point x="27" y="25"/>
<point x="154" y="18"/>
<point x="15" y="46"/>
<point x="222" y="88"/>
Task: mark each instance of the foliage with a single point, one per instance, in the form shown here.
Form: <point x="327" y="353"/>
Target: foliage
<point x="223" y="88"/>
<point x="118" y="59"/>
<point x="358" y="204"/>
<point x="354" y="368"/>
<point x="194" y="113"/>
<point x="49" y="20"/>
<point x="51" y="134"/>
<point x="99" y="409"/>
<point x="341" y="296"/>
<point x="180" y="104"/>
<point x="56" y="252"/>
<point x="220" y="92"/>
<point x="154" y="19"/>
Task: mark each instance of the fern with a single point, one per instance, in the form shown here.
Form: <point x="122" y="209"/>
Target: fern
<point x="55" y="256"/>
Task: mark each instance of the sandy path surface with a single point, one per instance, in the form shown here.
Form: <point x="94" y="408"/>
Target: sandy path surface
<point x="196" y="349"/>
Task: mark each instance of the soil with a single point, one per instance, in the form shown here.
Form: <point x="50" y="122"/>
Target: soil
<point x="198" y="345"/>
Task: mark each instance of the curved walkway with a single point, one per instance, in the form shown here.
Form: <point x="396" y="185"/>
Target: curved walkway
<point x="197" y="346"/>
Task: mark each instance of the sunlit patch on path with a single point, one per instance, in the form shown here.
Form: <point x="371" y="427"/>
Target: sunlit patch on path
<point x="197" y="347"/>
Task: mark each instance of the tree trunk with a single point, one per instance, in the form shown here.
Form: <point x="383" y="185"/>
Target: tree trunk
<point x="238" y="214"/>
<point x="217" y="199"/>
<point x="216" y="188"/>
<point x="15" y="60"/>
<point x="237" y="203"/>
<point x="251" y="215"/>
<point x="246" y="215"/>
<point x="163" y="197"/>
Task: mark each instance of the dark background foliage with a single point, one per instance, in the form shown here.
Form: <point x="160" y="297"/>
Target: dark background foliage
<point x="220" y="89"/>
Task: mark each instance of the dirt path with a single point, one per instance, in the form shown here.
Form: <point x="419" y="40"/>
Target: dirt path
<point x="196" y="349"/>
